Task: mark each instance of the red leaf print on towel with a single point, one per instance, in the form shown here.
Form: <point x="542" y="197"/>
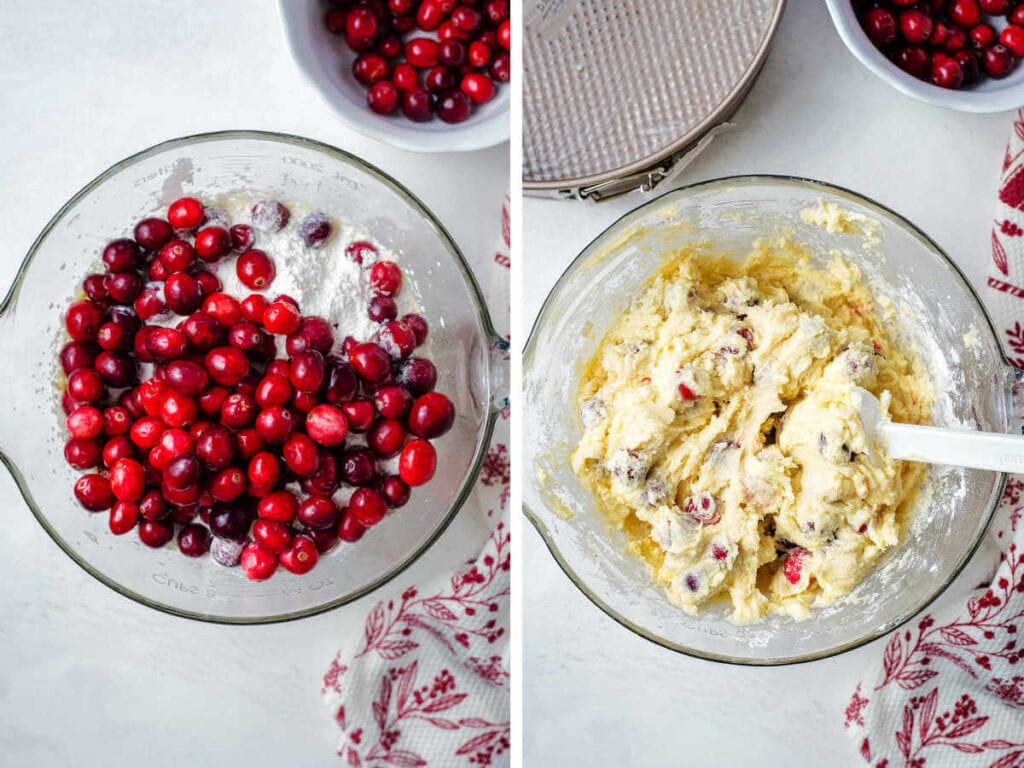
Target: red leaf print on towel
<point x="1009" y="691"/>
<point x="999" y="255"/>
<point x="1010" y="229"/>
<point x="495" y="470"/>
<point x="1015" y="338"/>
<point x="1012" y="192"/>
<point x="854" y="711"/>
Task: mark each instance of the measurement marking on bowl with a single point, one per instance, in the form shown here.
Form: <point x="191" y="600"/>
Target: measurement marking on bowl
<point x="1012" y="459"/>
<point x="308" y="165"/>
<point x="163" y="170"/>
<point x="166" y="581"/>
<point x="707" y="629"/>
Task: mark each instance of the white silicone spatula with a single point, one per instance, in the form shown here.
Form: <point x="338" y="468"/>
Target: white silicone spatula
<point x="938" y="445"/>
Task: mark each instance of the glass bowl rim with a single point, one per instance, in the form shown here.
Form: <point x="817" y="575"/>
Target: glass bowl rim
<point x="685" y="192"/>
<point x="333" y="153"/>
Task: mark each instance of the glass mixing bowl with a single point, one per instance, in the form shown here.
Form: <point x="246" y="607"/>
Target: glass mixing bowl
<point x="936" y="308"/>
<point x="464" y="346"/>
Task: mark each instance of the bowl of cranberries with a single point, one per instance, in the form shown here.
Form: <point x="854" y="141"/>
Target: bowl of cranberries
<point x="423" y="75"/>
<point x="254" y="377"/>
<point x="959" y="54"/>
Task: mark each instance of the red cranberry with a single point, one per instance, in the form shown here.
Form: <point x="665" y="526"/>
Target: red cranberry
<point x="208" y="282"/>
<point x="315" y="229"/>
<point x="223" y="308"/>
<point x="269" y="216"/>
<point x="505" y="35"/>
<point x="123" y="517"/>
<point x="281" y="318"/>
<point x="125" y="317"/>
<point x="301" y="455"/>
<point x="358" y="466"/>
<point x="982" y="36"/>
<point x="995" y="7"/>
<point x="177" y="442"/>
<point x="226" y="365"/>
<point x="264" y="469"/>
<point x="417" y="463"/>
<point x="969" y="62"/>
<point x="405" y="78"/>
<point x="350" y="529"/>
<point x="497" y="10"/>
<point x="187" y="376"/>
<point x="390" y="46"/>
<point x="327" y="425"/>
<point x="242" y="237"/>
<point x="149" y="304"/>
<point x="479" y="88"/>
<point x="956" y="40"/>
<point x="1013" y="38"/>
<point x="145" y="432"/>
<point x="182" y="293"/>
<point x="369" y="68"/>
<point x="382" y="308"/>
<point x="273" y="390"/>
<point x="360" y="414"/>
<point x="280" y="506"/>
<point x="77" y="354"/>
<point x="396" y="491"/>
<point x="317" y="512"/>
<point x="422" y="52"/>
<point x="238" y="411"/>
<point x="417" y="105"/>
<point x="429" y="15"/>
<point x="418" y="375"/>
<point x="151" y="234"/>
<point x="95" y="287"/>
<point x="151" y="395"/>
<point x="117" y="448"/>
<point x="253" y="307"/>
<point x="255" y="269"/>
<point x="370" y="361"/>
<point x="501" y="68"/>
<point x="86" y="386"/>
<point x="316" y="334"/>
<point x="880" y="26"/>
<point x="194" y="540"/>
<point x="386" y="278"/>
<point x="157" y="270"/>
<point x="997" y="61"/>
<point x="479" y="54"/>
<point x="183" y="472"/>
<point x="122" y="255"/>
<point x="227" y="485"/>
<point x="83" y="454"/>
<point x="397" y="339"/>
<point x="155" y="533"/>
<point x="213" y="243"/>
<point x="308" y="371"/>
<point x="1016" y="16"/>
<point x="383" y="98"/>
<point x="127" y="480"/>
<point x="166" y="343"/>
<point x="272" y="536"/>
<point x="448" y="31"/>
<point x="324" y="481"/>
<point x="342" y="382"/>
<point x="178" y="256"/>
<point x="361" y="24"/>
<point x="368" y="506"/>
<point x="245" y="336"/>
<point x="230" y="521"/>
<point x="275" y="424"/>
<point x="915" y="26"/>
<point x="467" y="18"/>
<point x="453" y="107"/>
<point x="257" y="563"/>
<point x="215" y="447"/>
<point x="386" y="438"/>
<point x="83" y="320"/>
<point x="185" y="213"/>
<point x="452" y="53"/>
<point x="393" y="402"/>
<point x="124" y="287"/>
<point x="117" y="369"/>
<point x="93" y="492"/>
<point x="964" y="13"/>
<point x="116" y="421"/>
<point x="203" y="331"/>
<point x="300" y="556"/>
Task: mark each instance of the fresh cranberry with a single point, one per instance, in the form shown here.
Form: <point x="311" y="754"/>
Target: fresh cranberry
<point x="223" y="308"/>
<point x="995" y="7"/>
<point x="145" y="432"/>
<point x="273" y="390"/>
<point x="253" y="307"/>
<point x="83" y="320"/>
<point x="93" y="492"/>
<point x="369" y="68"/>
<point x="479" y="54"/>
<point x="1016" y="16"/>
<point x="368" y="506"/>
<point x="418" y="375"/>
<point x="393" y="402"/>
<point x="212" y="399"/>
<point x="264" y="469"/>
<point x="122" y="255"/>
<point x="358" y="466"/>
<point x="383" y="98"/>
<point x="405" y="78"/>
<point x="85" y="422"/>
<point x="417" y="105"/>
<point x="178" y="256"/>
<point x="275" y="424"/>
<point x="157" y="270"/>
<point x="177" y="442"/>
<point x="997" y="61"/>
<point x="386" y="438"/>
<point x="76" y="354"/>
<point x="151" y="395"/>
<point x="315" y="333"/>
<point x="501" y="68"/>
<point x="381" y="309"/>
<point x="429" y="15"/>
<point x="327" y="425"/>
<point x="280" y="506"/>
<point x="964" y="13"/>
<point x="422" y="52"/>
<point x="124" y="288"/>
<point x="155" y="533"/>
<point x="116" y="448"/>
<point x="83" y="454"/>
<point x="467" y="18"/>
<point x="301" y="455"/>
<point x="257" y="563"/>
<point x="127" y="480"/>
<point x="182" y="293"/>
<point x="479" y="88"/>
<point x="166" y="343"/>
<point x="228" y="484"/>
<point x="448" y="31"/>
<point x="350" y="529"/>
<point x="226" y="365"/>
<point x="183" y="473"/>
<point x="397" y="339"/>
<point x="243" y="237"/>
<point x="215" y="447"/>
<point x="386" y="278"/>
<point x="1013" y="38"/>
<point x="131" y="402"/>
<point x="308" y="371"/>
<point x="324" y="481"/>
<point x="255" y="269"/>
<point x="315" y="229"/>
<point x="151" y="234"/>
<point x="395" y="490"/>
<point x="246" y="336"/>
<point x="453" y="107"/>
<point x="970" y="65"/>
<point x="982" y="36"/>
<point x="123" y="517"/>
<point x="213" y="243"/>
<point x="360" y="414"/>
<point x="186" y="213"/>
<point x="417" y="463"/>
<point x="272" y="535"/>
<point x="86" y="386"/>
<point x="300" y="556"/>
<point x="238" y="411"/>
<point x="203" y="331"/>
<point x="342" y="382"/>
<point x="281" y="318"/>
<point x="208" y="282"/>
<point x="269" y="216"/>
<point x="95" y="287"/>
<point x="439" y="79"/>
<point x="116" y="421"/>
<point x="149" y="304"/>
<point x="317" y="512"/>
<point x="187" y="376"/>
<point x="230" y="521"/>
<point x="194" y="540"/>
<point x="370" y="361"/>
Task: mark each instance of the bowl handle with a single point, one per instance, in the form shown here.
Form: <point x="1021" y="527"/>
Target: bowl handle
<point x="499" y="364"/>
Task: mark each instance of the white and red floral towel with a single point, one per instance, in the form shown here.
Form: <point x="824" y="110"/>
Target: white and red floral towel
<point x="948" y="691"/>
<point x="425" y="681"/>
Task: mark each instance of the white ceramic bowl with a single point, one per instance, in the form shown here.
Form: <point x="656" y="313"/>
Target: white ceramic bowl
<point x="988" y="96"/>
<point x="327" y="63"/>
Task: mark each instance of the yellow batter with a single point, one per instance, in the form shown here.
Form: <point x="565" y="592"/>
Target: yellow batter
<point x="719" y="431"/>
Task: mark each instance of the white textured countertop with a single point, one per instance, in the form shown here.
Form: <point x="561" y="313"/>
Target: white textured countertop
<point x="594" y="693"/>
<point x="87" y="677"/>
